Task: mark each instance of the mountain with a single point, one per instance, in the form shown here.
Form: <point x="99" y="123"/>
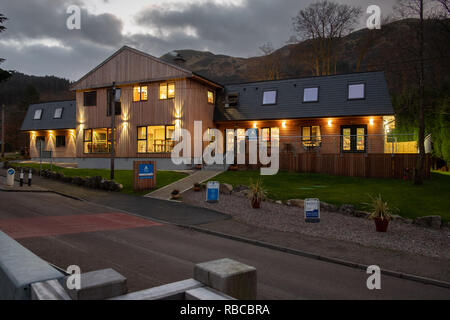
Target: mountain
<point x="387" y="49"/>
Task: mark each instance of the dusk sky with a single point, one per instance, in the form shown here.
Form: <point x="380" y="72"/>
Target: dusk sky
<point x="38" y="42"/>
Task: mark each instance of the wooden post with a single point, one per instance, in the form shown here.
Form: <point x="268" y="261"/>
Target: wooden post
<point x="112" y="105"/>
<point x="3" y="130"/>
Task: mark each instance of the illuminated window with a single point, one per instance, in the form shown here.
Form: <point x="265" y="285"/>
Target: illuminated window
<point x="210" y="97"/>
<point x="269" y="134"/>
<point x="58" y="113"/>
<point x="140" y="93"/>
<point x="37" y="114"/>
<point x="167" y="90"/>
<point x="155" y="139"/>
<point x="353" y="138"/>
<point x="311" y="136"/>
<point x="97" y="140"/>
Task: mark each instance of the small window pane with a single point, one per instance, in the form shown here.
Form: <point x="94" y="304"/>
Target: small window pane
<point x="169" y="132"/>
<point x="90" y="98"/>
<point x="87" y="135"/>
<point x="142" y="146"/>
<point x="210" y="97"/>
<point x="356" y="91"/>
<point x="311" y="94"/>
<point x="87" y="147"/>
<point x="142" y="132"/>
<point x="265" y="134"/>
<point x="136" y="94"/>
<point x="270" y="97"/>
<point x="171" y="90"/>
<point x="58" y="113"/>
<point x="37" y="114"/>
<point x="163" y="91"/>
<point x="360" y="143"/>
<point x="60" y="141"/>
<point x="346" y="139"/>
<point x="144" y="93"/>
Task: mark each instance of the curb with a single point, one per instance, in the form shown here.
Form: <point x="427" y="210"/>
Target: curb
<point x="307" y="254"/>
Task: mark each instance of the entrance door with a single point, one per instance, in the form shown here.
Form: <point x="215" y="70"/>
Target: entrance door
<point x="353" y="138"/>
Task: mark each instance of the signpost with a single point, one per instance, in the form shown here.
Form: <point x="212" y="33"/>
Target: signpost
<point x="312" y="210"/>
<point x="144" y="175"/>
<point x="212" y="191"/>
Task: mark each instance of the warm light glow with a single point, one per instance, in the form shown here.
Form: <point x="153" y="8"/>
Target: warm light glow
<point x="177" y="123"/>
<point x="283" y="124"/>
<point x="371" y="121"/>
<point x="329" y="123"/>
<point x="254" y="125"/>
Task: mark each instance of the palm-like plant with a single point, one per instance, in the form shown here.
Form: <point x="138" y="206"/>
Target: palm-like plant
<point x="257" y="193"/>
<point x="379" y="208"/>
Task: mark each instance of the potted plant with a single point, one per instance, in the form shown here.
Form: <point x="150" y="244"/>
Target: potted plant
<point x="380" y="213"/>
<point x="175" y="194"/>
<point x="256" y="193"/>
<point x="197" y="187"/>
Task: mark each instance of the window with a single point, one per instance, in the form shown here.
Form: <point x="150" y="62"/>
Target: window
<point x="90" y="98"/>
<point x="97" y="140"/>
<point x="37" y="114"/>
<point x="353" y="138"/>
<point x="311" y="136"/>
<point x="270" y="97"/>
<point x="167" y="90"/>
<point x="117" y="105"/>
<point x="311" y="94"/>
<point x="58" y="113"/>
<point x="232" y="100"/>
<point x="210" y="97"/>
<point x="60" y="141"/>
<point x="356" y="91"/>
<point x="269" y="134"/>
<point x="155" y="138"/>
<point x="140" y="93"/>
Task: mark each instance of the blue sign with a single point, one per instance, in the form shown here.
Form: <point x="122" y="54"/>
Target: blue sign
<point x="312" y="210"/>
<point x="11" y="171"/>
<point x="212" y="191"/>
<point x="146" y="171"/>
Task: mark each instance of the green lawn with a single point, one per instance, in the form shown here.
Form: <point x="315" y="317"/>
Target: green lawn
<point x="432" y="198"/>
<point x="125" y="177"/>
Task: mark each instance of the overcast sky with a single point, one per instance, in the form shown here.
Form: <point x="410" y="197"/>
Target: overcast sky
<point x="38" y="42"/>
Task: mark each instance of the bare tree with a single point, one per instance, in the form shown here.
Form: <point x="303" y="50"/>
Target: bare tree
<point x="270" y="62"/>
<point x="324" y="23"/>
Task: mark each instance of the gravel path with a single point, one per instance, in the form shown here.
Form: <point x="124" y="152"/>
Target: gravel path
<point x="400" y="236"/>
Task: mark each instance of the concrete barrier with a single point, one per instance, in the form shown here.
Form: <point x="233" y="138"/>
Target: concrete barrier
<point x="228" y="276"/>
<point x="48" y="290"/>
<point x="19" y="268"/>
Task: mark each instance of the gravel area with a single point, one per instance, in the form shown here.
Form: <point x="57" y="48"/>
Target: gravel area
<point x="333" y="225"/>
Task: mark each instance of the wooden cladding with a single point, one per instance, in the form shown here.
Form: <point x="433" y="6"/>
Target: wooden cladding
<point x="398" y="166"/>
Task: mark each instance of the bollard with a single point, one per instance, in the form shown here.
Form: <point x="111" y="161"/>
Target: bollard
<point x="21" y="177"/>
<point x="30" y="176"/>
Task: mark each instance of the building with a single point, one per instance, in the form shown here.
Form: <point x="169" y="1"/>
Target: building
<point x="328" y="115"/>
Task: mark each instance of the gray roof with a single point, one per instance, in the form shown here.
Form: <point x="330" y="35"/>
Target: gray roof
<point x="332" y="102"/>
<point x="67" y="121"/>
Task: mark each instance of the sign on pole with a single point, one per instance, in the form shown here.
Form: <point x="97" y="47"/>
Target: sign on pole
<point x="212" y="191"/>
<point x="144" y="175"/>
<point x="146" y="171"/>
<point x="312" y="210"/>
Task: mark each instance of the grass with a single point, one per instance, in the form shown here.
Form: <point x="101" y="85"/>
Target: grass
<point x="125" y="177"/>
<point x="431" y="198"/>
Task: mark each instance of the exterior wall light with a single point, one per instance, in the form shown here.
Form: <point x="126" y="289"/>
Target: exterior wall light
<point x="254" y="125"/>
<point x="329" y="123"/>
<point x="283" y="124"/>
<point x="371" y="121"/>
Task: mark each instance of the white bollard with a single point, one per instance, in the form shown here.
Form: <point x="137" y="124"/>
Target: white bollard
<point x="10" y="177"/>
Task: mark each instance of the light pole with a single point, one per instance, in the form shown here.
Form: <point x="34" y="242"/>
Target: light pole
<point x="3" y="130"/>
<point x="112" y="109"/>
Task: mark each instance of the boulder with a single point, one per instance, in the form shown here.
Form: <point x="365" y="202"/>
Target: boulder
<point x="240" y="187"/>
<point x="434" y="222"/>
<point x="225" y="188"/>
<point x="347" y="209"/>
<point x="279" y="202"/>
<point x="328" y="206"/>
<point x="297" y="202"/>
<point x="78" y="181"/>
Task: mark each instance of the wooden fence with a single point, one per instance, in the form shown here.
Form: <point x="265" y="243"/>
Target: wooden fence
<point x="375" y="165"/>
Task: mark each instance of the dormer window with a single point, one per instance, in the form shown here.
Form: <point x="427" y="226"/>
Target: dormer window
<point x="270" y="97"/>
<point x="232" y="100"/>
<point x="311" y="94"/>
<point x="58" y="113"/>
<point x="356" y="91"/>
<point x="37" y="114"/>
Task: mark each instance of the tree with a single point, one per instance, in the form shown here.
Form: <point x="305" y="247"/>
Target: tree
<point x="270" y="62"/>
<point x="324" y="23"/>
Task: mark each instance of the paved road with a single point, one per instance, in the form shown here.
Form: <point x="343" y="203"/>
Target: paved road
<point x="68" y="231"/>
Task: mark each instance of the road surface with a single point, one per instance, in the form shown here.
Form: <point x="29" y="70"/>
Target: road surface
<point x="65" y="231"/>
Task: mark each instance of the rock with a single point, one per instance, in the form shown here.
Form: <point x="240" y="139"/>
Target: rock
<point x="297" y="202"/>
<point x="347" y="209"/>
<point x="328" y="206"/>
<point x="429" y="221"/>
<point x="225" y="188"/>
<point x="288" y="203"/>
<point x="242" y="193"/>
<point x="240" y="187"/>
<point x="77" y="180"/>
<point x="278" y="202"/>
<point x="360" y="214"/>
